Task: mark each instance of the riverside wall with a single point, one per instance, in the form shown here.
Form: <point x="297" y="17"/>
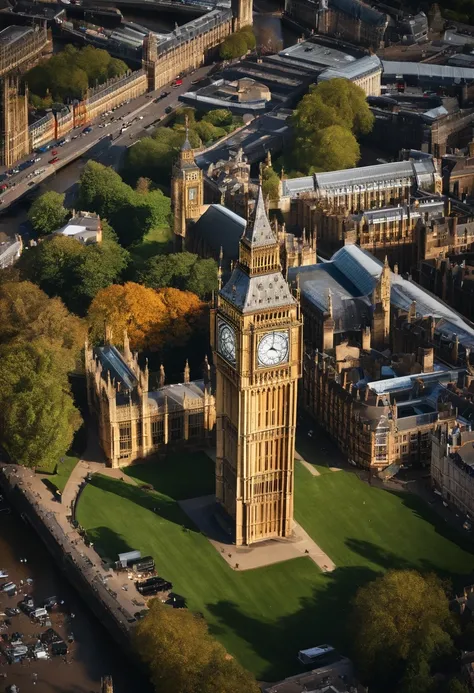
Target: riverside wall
<point x="79" y="570"/>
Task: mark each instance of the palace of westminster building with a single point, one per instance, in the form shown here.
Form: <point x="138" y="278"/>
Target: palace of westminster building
<point x="384" y="365"/>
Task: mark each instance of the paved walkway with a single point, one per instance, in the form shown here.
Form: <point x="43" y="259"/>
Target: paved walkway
<point x="201" y="511"/>
<point x="118" y="584"/>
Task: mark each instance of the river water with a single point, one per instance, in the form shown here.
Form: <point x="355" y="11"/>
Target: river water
<point x="92" y="655"/>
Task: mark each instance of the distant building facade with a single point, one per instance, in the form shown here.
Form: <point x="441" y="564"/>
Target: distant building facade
<point x="382" y="358"/>
<point x="349" y="20"/>
<point x="189" y="45"/>
<point x="135" y="423"/>
<point x="20" y="49"/>
<point x="10" y="251"/>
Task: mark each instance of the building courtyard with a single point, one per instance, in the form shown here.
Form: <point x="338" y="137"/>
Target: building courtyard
<point x="264" y="616"/>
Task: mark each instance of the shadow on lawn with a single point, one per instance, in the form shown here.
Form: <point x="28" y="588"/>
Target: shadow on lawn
<point x="153" y="501"/>
<point x="179" y="476"/>
<point x="321" y="618"/>
<point x="424" y="511"/>
<point x="107" y="543"/>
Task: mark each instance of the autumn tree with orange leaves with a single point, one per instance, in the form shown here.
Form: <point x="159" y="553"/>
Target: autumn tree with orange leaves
<point x="152" y="318"/>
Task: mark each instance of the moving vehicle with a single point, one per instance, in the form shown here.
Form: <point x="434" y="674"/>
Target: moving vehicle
<point x="168" y="109"/>
<point x="177" y="82"/>
<point x="53" y="160"/>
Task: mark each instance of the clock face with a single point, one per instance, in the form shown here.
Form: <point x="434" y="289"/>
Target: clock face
<point x="273" y="349"/>
<point x="226" y="342"/>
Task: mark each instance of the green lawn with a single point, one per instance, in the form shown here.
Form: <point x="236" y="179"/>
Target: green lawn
<point x="63" y="472"/>
<point x="156" y="242"/>
<point x="264" y="616"/>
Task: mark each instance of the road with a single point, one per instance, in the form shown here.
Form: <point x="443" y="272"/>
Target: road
<point x="143" y="109"/>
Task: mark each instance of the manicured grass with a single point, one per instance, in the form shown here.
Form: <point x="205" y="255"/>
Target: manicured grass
<point x="156" y="242"/>
<point x="63" y="472"/>
<point x="359" y="525"/>
<point x="264" y="616"/>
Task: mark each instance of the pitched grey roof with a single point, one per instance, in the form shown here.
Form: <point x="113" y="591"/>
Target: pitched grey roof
<point x="362" y="176"/>
<point x="352" y="274"/>
<point x="259" y="232"/>
<point x="257" y="293"/>
<point x="392" y="68"/>
<point x="220" y="227"/>
<point x="112" y="361"/>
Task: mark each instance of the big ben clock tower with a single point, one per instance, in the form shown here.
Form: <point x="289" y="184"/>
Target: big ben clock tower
<point x="187" y="191"/>
<point x="257" y="342"/>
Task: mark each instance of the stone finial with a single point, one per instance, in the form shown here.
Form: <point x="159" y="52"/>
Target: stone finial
<point x="161" y="380"/>
<point x="186" y="372"/>
<point x="126" y="347"/>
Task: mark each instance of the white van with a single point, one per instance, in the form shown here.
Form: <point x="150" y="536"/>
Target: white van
<point x="39" y="613"/>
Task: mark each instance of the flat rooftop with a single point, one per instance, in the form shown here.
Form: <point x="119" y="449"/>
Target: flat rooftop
<point x="12" y="34"/>
<point x="320" y="55"/>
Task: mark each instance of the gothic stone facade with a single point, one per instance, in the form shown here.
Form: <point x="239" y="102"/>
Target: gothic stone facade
<point x="256" y="334"/>
<point x="190" y="45"/>
<point x="135" y="423"/>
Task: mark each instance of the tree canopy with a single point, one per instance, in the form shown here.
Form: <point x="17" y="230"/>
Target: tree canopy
<point x="64" y="267"/>
<point x="153" y="318"/>
<point x="325" y="126"/>
<point x="47" y="213"/>
<point x="27" y="314"/>
<point x="131" y="213"/>
<point x="237" y="44"/>
<point x="68" y="74"/>
<point x="184" y="271"/>
<point x="401" y="624"/>
<point x="270" y="183"/>
<point x="40" y="343"/>
<point x="182" y="656"/>
<point x="37" y="414"/>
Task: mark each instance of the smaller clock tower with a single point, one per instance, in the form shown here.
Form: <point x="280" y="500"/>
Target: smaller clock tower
<point x="187" y="191"/>
<point x="256" y="332"/>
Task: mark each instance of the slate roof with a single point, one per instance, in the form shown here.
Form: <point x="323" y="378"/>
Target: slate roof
<point x="258" y="232"/>
<point x="392" y="68"/>
<point x="351" y="276"/>
<point x="176" y="395"/>
<point x="112" y="362"/>
<point x="362" y="176"/>
<point x="248" y="294"/>
<point x="219" y="226"/>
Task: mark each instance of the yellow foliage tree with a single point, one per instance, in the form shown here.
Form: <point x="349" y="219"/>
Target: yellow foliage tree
<point x="184" y="658"/>
<point x="149" y="316"/>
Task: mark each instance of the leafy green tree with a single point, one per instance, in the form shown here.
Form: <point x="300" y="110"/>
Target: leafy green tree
<point x="270" y="183"/>
<point x="334" y="102"/>
<point x="102" y="190"/>
<point x="234" y="46"/>
<point x="27" y="314"/>
<point x="325" y="124"/>
<point x="249" y="36"/>
<point x="184" y="271"/>
<point x="394" y="616"/>
<point x="183" y="658"/>
<point x="69" y="73"/>
<point x="336" y="148"/>
<point x="218" y="117"/>
<point x="47" y="213"/>
<point x="37" y="414"/>
<point x="208" y="132"/>
<point x="64" y="267"/>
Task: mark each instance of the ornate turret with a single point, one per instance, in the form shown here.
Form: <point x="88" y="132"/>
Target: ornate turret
<point x="161" y="379"/>
<point x="187" y="190"/>
<point x="186" y="373"/>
